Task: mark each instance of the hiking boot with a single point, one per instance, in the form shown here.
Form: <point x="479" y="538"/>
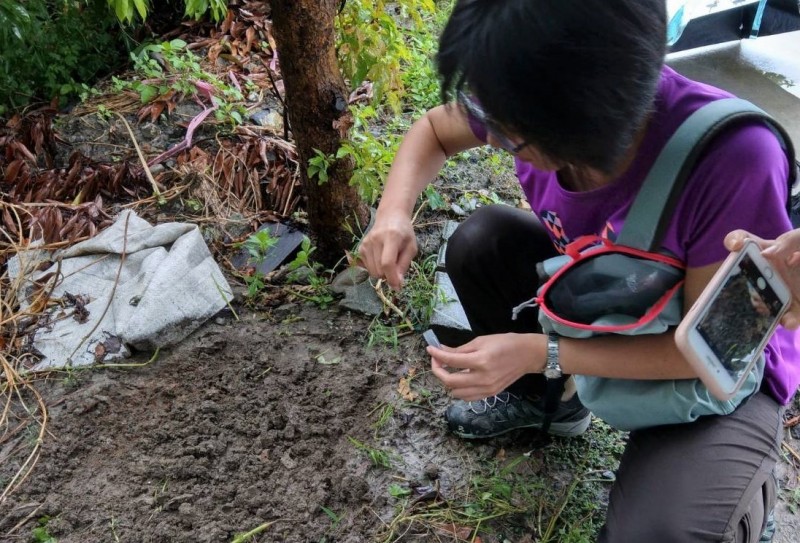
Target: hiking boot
<point x="507" y="411"/>
<point x="769" y="529"/>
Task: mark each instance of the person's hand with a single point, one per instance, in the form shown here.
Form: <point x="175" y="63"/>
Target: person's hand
<point x="784" y="254"/>
<point x="389" y="247"/>
<point x="488" y="364"/>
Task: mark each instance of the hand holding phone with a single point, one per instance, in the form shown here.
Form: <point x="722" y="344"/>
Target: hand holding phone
<point x="725" y="331"/>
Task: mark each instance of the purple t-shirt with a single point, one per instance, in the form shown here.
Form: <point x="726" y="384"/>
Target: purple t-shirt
<point x="741" y="182"/>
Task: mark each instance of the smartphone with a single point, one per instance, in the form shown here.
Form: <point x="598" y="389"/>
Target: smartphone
<point x="431" y="339"/>
<point x="726" y="329"/>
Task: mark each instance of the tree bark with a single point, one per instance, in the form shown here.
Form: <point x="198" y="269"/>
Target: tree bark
<point x="316" y="97"/>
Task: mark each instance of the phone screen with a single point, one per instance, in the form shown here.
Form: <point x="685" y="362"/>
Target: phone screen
<point x="741" y="315"/>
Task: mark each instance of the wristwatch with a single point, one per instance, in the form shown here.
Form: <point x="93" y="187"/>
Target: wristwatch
<point x="552" y="369"/>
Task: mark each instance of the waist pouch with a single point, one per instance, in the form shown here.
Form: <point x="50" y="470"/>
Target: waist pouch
<point x="600" y="288"/>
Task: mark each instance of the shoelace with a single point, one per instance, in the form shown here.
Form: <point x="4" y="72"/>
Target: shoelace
<point x="490" y="402"/>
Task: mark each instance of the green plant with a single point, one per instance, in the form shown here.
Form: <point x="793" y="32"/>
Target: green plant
<point x="258" y="244"/>
<point x="41" y="534"/>
<point x="127" y="10"/>
<point x="169" y="67"/>
<point x="255" y="284"/>
<point x="378" y="457"/>
<point x="434" y="198"/>
<point x="415" y="303"/>
<point x="398" y="491"/>
<point x="318" y="166"/>
<point x="317" y="291"/>
<point x="335" y="519"/>
<point x="372" y="153"/>
<point x="385" y="414"/>
<point x="50" y="48"/>
<point x="792" y="500"/>
<point x="249" y="535"/>
<point x="380" y="333"/>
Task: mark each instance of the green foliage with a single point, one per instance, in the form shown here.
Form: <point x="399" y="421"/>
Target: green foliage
<point x="373" y="154"/>
<point x="170" y="66"/>
<point x="399" y="491"/>
<point x="394" y="51"/>
<point x="379" y="457"/>
<point x="49" y="47"/>
<point x="372" y="44"/>
<point x="258" y="244"/>
<point x="41" y="533"/>
<point x="14" y="20"/>
<point x="317" y="291"/>
<point x="318" y="166"/>
<point x="127" y="11"/>
<point x="434" y="198"/>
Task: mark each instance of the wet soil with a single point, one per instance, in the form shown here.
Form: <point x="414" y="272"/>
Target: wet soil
<point x="246" y="422"/>
<point x="261" y="420"/>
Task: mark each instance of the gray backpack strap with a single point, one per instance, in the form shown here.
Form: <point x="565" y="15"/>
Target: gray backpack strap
<point x="652" y="209"/>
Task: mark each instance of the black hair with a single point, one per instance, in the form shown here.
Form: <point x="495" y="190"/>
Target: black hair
<point x="576" y="78"/>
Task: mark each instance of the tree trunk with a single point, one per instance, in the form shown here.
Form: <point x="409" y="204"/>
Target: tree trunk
<point x="316" y="97"/>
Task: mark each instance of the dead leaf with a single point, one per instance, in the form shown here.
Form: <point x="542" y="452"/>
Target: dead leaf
<point x="404" y="389"/>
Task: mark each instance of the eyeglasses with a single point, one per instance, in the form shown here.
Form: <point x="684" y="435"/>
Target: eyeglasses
<point x="474" y="110"/>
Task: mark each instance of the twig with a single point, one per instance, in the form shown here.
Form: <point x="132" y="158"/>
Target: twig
<point x="242" y="538"/>
<point x="25" y="520"/>
<point x="122" y="256"/>
<point x="791" y="451"/>
<point x="227" y="302"/>
<point x="132" y="364"/>
<point x="379" y="291"/>
<point x="147" y="172"/>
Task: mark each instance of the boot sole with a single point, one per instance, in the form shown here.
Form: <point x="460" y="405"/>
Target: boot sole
<point x="570" y="428"/>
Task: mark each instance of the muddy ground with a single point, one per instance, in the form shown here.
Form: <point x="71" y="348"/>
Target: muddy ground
<point x="262" y="420"/>
<point x="244" y="423"/>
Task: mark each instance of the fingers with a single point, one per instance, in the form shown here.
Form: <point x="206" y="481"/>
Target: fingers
<point x="791" y="319"/>
<point x="388" y="249"/>
<point x="735" y="240"/>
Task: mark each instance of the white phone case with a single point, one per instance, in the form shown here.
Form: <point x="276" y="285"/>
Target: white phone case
<point x="697" y="349"/>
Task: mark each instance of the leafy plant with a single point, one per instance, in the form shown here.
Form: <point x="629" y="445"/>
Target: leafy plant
<point x="127" y="10"/>
<point x="318" y="166"/>
<point x="258" y="244"/>
<point x="379" y="457"/>
<point x="398" y="491"/>
<point x="51" y="47"/>
<point x="169" y="68"/>
<point x="41" y="534"/>
<point x="372" y="154"/>
<point x="317" y="290"/>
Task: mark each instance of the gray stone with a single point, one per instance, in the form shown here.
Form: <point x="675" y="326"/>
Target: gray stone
<point x="447" y="231"/>
<point x="449" y="320"/>
<point x="362" y="299"/>
<point x="348" y="278"/>
<point x="449" y="228"/>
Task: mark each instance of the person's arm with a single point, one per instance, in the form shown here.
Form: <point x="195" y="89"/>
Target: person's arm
<point x="493" y="362"/>
<point x="389" y="247"/>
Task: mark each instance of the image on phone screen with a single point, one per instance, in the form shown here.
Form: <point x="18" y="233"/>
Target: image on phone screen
<point x="742" y="313"/>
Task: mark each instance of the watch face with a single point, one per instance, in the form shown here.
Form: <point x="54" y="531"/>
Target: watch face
<point x="552" y="373"/>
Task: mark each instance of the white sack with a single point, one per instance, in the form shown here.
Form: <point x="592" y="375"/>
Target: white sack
<point x="168" y="285"/>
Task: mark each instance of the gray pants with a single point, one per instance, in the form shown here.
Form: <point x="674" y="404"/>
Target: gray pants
<point x="711" y="480"/>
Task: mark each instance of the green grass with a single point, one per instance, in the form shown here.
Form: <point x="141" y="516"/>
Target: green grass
<point x="553" y="493"/>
